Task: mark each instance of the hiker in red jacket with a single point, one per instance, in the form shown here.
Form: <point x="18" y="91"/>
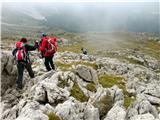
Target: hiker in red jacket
<point x="22" y="57"/>
<point x="48" y="48"/>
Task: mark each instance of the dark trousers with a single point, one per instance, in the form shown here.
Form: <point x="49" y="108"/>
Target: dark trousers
<point x="49" y="62"/>
<point x="20" y="67"/>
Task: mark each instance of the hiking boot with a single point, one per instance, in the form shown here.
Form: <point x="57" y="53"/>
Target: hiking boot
<point x="43" y="70"/>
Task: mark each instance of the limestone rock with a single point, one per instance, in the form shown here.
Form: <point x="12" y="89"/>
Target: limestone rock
<point x="146" y="116"/>
<point x="153" y="89"/>
<point x="116" y="113"/>
<point x="56" y="94"/>
<point x="10" y="114"/>
<point x="10" y="64"/>
<point x="91" y="113"/>
<point x="153" y="100"/>
<point x="40" y="93"/>
<point x="31" y="111"/>
<point x="100" y="93"/>
<point x="87" y="73"/>
<point x="4" y="60"/>
<point x="74" y="110"/>
<point x="117" y="94"/>
<point x="8" y="72"/>
<point x="141" y="107"/>
<point x="69" y="111"/>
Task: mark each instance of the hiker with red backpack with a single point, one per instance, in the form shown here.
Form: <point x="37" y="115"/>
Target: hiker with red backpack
<point x="22" y="57"/>
<point x="48" y="48"/>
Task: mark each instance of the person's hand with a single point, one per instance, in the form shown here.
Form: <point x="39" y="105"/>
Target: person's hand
<point x="36" y="44"/>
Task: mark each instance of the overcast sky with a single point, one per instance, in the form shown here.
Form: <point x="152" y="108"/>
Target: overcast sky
<point x="80" y="0"/>
<point x="96" y="16"/>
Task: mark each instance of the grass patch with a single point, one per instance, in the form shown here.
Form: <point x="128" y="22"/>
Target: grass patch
<point x="67" y="66"/>
<point x="127" y="97"/>
<point x="148" y="47"/>
<point x="69" y="36"/>
<point x="52" y="116"/>
<point x="93" y="65"/>
<point x="91" y="87"/>
<point x="127" y="101"/>
<point x="62" y="83"/>
<point x="63" y="66"/>
<point x="133" y="61"/>
<point x="104" y="105"/>
<point x="110" y="80"/>
<point x="76" y="48"/>
<point x="152" y="44"/>
<point x="71" y="48"/>
<point x="77" y="93"/>
<point x="157" y="71"/>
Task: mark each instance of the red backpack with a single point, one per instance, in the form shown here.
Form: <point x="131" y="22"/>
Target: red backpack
<point x="21" y="52"/>
<point x="51" y="46"/>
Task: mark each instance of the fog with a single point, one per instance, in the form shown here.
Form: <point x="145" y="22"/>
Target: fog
<point x="86" y="17"/>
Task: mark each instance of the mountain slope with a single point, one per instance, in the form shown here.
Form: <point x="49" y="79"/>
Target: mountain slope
<point x="83" y="87"/>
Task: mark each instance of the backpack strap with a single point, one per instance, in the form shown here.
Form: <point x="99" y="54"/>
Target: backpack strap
<point x="51" y="44"/>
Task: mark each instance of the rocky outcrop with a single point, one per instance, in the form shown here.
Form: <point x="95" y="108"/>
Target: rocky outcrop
<point x="74" y="110"/>
<point x="140" y="107"/>
<point x="116" y="113"/>
<point x="50" y="92"/>
<point x="8" y="72"/>
<point x="146" y="116"/>
<point x="87" y="73"/>
<point x="31" y="111"/>
<point x="61" y="93"/>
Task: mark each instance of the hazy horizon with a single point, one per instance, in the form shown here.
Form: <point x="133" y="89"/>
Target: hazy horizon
<point x="85" y="17"/>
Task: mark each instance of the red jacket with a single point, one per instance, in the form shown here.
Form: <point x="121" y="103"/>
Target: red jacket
<point x="44" y="44"/>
